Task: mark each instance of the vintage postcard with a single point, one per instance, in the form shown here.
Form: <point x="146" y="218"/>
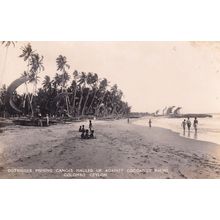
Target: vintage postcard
<point x="109" y="110"/>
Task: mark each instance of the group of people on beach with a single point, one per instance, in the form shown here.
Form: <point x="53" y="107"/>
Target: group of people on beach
<point x="188" y="124"/>
<point x="87" y="133"/>
<point x="40" y="120"/>
<point x="39" y="117"/>
<point x="185" y="123"/>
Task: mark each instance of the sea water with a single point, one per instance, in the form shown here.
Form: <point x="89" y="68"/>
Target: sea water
<point x="208" y="128"/>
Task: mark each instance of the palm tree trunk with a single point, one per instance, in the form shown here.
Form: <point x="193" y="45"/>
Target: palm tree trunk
<point x="87" y="97"/>
<point x="4" y="66"/>
<point x="93" y="99"/>
<point x="67" y="105"/>
<point x="74" y="101"/>
<point x="80" y="101"/>
<point x="101" y="100"/>
<point x="29" y="99"/>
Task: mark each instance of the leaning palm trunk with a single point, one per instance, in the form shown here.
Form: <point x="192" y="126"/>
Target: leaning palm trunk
<point x="93" y="99"/>
<point x="80" y="102"/>
<point x="28" y="94"/>
<point x="84" y="107"/>
<point x="74" y="101"/>
<point x="67" y="104"/>
<point x="99" y="103"/>
<point x="29" y="99"/>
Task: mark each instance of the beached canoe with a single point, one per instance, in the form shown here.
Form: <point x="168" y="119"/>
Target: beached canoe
<point x="29" y="122"/>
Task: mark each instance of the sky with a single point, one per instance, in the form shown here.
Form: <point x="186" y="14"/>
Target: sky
<point x="151" y="75"/>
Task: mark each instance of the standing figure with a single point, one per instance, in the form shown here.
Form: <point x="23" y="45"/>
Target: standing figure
<point x="48" y="119"/>
<point x="90" y="125"/>
<point x="150" y="122"/>
<point x="128" y="120"/>
<point x="195" y="124"/>
<point x="40" y="123"/>
<point x="184" y="124"/>
<point x="188" y="122"/>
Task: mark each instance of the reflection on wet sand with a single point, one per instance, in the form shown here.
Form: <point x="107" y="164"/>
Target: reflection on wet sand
<point x="188" y="134"/>
<point x="196" y="135"/>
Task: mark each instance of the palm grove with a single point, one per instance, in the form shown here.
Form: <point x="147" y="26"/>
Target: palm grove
<point x="76" y="94"/>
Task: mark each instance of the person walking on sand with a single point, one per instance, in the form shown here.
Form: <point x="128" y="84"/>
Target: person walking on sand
<point x="150" y="122"/>
<point x="195" y="124"/>
<point x="184" y="124"/>
<point x="128" y="120"/>
<point x="188" y="122"/>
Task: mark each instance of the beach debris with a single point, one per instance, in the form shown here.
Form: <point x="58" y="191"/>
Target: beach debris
<point x="156" y="149"/>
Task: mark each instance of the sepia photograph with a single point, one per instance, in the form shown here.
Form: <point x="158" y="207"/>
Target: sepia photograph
<point x="109" y="110"/>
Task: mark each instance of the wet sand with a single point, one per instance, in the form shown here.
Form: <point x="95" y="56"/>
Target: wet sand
<point x="120" y="150"/>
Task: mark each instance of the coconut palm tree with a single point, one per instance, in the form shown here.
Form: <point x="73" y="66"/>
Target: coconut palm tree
<point x="36" y="63"/>
<point x="34" y="66"/>
<point x="26" y="52"/>
<point x="95" y="89"/>
<point x="89" y="81"/>
<point x="3" y="95"/>
<point x="61" y="66"/>
<point x="9" y="43"/>
<point x="47" y="84"/>
<point x="58" y="80"/>
<point x="82" y="85"/>
<point x="103" y="90"/>
<point x="74" y="85"/>
<point x="62" y="63"/>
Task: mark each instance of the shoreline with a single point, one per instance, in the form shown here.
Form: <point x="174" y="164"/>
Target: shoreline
<point x="204" y="133"/>
<point x="149" y="152"/>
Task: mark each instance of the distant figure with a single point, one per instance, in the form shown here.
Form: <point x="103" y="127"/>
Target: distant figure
<point x="83" y="128"/>
<point x="83" y="135"/>
<point x="40" y="123"/>
<point x="91" y="136"/>
<point x="150" y="122"/>
<point x="48" y="119"/>
<point x="188" y="122"/>
<point x="80" y="128"/>
<point x="184" y="124"/>
<point x="86" y="134"/>
<point x="195" y="124"/>
<point x="90" y="125"/>
<point x="128" y="120"/>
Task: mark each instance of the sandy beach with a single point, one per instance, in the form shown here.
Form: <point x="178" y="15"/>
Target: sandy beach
<point x="120" y="150"/>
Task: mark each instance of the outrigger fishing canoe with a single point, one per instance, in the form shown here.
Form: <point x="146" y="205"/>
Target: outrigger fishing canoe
<point x="25" y="121"/>
<point x="30" y="122"/>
